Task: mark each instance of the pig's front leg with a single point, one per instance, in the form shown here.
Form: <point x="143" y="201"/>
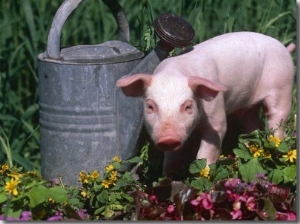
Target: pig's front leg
<point x="212" y="137"/>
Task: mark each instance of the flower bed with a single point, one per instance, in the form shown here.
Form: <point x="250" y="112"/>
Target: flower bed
<point x="257" y="182"/>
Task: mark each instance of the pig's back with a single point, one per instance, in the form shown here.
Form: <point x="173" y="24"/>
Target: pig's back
<point x="248" y="63"/>
<point x="248" y="52"/>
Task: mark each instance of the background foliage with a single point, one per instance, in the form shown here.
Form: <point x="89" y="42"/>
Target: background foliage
<point x="24" y="26"/>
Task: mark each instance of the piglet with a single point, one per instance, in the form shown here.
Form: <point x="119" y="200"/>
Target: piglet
<point x="196" y="90"/>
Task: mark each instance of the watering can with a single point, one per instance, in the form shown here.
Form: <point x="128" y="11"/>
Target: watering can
<point x="84" y="119"/>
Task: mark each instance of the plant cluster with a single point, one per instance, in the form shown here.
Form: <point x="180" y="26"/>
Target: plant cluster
<point x="25" y="26"/>
<point x="258" y="182"/>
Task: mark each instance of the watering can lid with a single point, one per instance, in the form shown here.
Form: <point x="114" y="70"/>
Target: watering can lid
<point x="107" y="52"/>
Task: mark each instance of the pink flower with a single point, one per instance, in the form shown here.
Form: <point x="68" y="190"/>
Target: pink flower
<point x="171" y="208"/>
<point x="250" y="203"/>
<point x="153" y="198"/>
<point x="286" y="216"/>
<point x="232" y="182"/>
<point x="57" y="217"/>
<point x="203" y="200"/>
<point x="195" y="202"/>
<point x="236" y="214"/>
<point x="26" y="216"/>
<point x="83" y="214"/>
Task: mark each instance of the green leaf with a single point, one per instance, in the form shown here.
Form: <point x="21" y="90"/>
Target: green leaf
<point x="30" y="111"/>
<point x="7" y="117"/>
<point x="112" y="198"/>
<point x="289" y="174"/>
<point x="201" y="184"/>
<point x="116" y="165"/>
<point x="31" y="184"/>
<point x="108" y="212"/>
<point x="250" y="169"/>
<point x="58" y="194"/>
<point x="127" y="197"/>
<point x="21" y="160"/>
<point x="221" y="175"/>
<point x="135" y="159"/>
<point x="116" y="207"/>
<point x="268" y="212"/>
<point x="197" y="166"/>
<point x="273" y="20"/>
<point x="242" y="153"/>
<point x="3" y="197"/>
<point x="103" y="196"/>
<point x="14" y="213"/>
<point x="253" y="135"/>
<point x="276" y="176"/>
<point x="75" y="201"/>
<point x="37" y="195"/>
<point x="243" y="146"/>
<point x="99" y="210"/>
<point x="283" y="147"/>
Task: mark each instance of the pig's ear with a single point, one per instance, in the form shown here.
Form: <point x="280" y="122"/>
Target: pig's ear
<point x="204" y="88"/>
<point x="134" y="85"/>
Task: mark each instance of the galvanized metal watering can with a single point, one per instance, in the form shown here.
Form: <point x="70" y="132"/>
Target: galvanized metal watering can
<point x="84" y="119"/>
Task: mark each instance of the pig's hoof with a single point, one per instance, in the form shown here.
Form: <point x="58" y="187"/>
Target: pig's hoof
<point x="168" y="144"/>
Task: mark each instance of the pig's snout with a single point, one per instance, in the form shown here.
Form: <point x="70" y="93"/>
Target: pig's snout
<point x="168" y="143"/>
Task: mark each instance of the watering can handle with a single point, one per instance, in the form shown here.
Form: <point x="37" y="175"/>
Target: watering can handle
<point x="53" y="42"/>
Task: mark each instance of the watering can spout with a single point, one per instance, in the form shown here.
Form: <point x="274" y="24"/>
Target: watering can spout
<point x="174" y="32"/>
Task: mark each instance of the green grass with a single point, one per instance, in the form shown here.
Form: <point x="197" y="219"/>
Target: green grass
<point x="24" y="26"/>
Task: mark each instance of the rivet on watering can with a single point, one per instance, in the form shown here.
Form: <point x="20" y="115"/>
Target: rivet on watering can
<point x="173" y="30"/>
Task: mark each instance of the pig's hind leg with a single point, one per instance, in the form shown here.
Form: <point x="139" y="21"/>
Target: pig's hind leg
<point x="277" y="107"/>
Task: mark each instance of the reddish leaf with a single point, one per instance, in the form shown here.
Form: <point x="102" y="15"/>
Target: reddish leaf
<point x="280" y="191"/>
<point x="222" y="214"/>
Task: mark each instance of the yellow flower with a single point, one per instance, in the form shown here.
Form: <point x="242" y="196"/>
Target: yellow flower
<point x="205" y="172"/>
<point x="105" y="183"/>
<point x="258" y="153"/>
<point x="11" y="187"/>
<point x="15" y="175"/>
<point x="33" y="174"/>
<point x="109" y="168"/>
<point x="275" y="140"/>
<point x="255" y="150"/>
<point x="83" y="177"/>
<point x="267" y="155"/>
<point x="291" y="155"/>
<point x="95" y="175"/>
<point x="51" y="200"/>
<point x="113" y="176"/>
<point x="84" y="194"/>
<point x="116" y="159"/>
<point x="253" y="147"/>
<point x="4" y="168"/>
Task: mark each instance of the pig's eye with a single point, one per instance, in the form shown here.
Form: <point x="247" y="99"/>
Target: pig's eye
<point x="150" y="106"/>
<point x="187" y="107"/>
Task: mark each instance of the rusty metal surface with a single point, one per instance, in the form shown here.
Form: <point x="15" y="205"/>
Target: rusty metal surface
<point x="174" y="30"/>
